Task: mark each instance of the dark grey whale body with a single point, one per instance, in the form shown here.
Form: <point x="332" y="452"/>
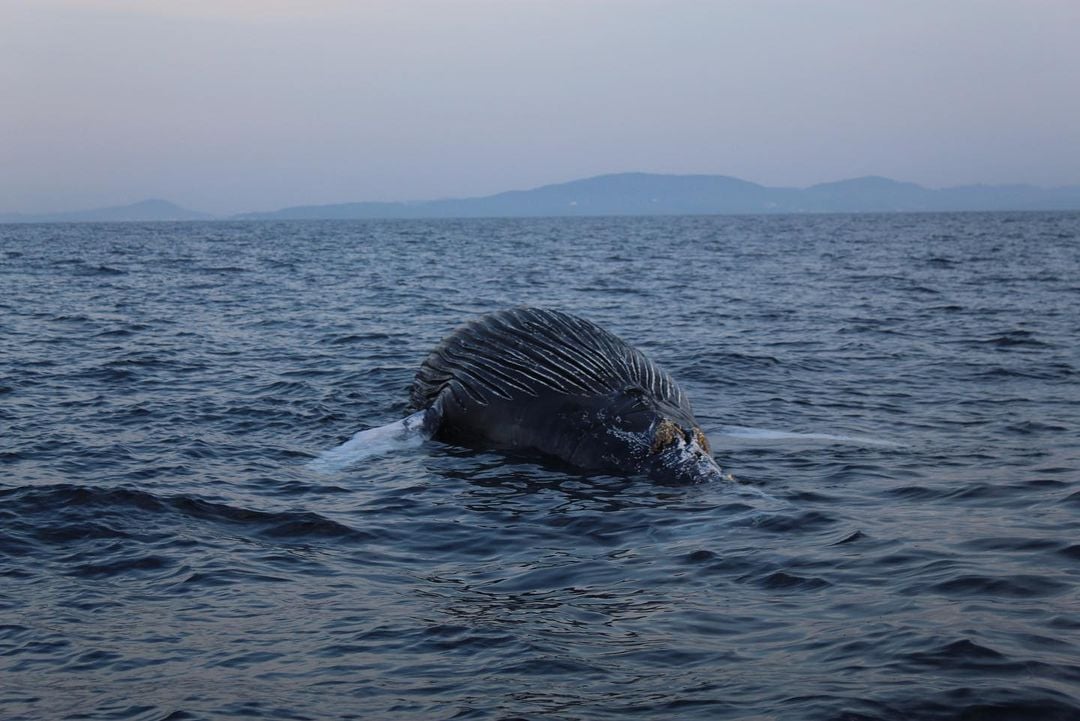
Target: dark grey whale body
<point x="545" y="381"/>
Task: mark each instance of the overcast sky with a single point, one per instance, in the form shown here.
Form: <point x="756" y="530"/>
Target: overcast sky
<point x="235" y="105"/>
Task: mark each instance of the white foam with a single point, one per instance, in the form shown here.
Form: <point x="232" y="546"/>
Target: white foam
<point x="406" y="433"/>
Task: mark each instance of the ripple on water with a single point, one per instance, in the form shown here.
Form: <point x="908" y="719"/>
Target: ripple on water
<point x="166" y="554"/>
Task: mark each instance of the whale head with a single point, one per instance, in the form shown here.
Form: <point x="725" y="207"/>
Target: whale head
<point x="653" y="439"/>
<point x="679" y="454"/>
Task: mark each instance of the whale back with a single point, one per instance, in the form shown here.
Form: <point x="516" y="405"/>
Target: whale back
<point x="530" y="353"/>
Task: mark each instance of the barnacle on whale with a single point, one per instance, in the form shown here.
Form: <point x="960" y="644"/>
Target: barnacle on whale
<point x="667" y="432"/>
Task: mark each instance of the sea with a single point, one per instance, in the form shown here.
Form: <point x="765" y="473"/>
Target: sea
<point x="897" y="399"/>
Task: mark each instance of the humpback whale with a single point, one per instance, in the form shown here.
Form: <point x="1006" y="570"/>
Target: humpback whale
<point x="548" y="382"/>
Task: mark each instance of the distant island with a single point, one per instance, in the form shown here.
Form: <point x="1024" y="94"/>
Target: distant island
<point x="639" y="194"/>
<point x="146" y="210"/>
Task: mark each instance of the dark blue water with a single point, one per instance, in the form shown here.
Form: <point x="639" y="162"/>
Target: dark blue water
<point x="165" y="553"/>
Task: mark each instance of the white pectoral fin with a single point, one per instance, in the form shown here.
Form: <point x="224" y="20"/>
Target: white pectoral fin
<point x="765" y="434"/>
<point x="372" y="442"/>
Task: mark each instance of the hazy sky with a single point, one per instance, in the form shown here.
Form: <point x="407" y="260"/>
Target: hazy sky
<point x="233" y="105"/>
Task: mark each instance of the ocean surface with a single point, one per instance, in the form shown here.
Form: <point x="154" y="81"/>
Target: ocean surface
<point x="897" y="397"/>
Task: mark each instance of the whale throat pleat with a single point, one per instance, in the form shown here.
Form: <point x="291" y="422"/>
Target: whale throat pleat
<point x="529" y="352"/>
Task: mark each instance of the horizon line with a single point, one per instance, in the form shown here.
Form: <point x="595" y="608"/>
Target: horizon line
<point x="5" y="214"/>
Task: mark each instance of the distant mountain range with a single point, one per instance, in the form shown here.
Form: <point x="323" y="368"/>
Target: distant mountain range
<point x="641" y="194"/>
<point x="146" y="210"/>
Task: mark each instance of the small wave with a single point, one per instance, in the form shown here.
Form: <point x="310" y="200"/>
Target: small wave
<point x="853" y="537"/>
<point x="783" y="581"/>
<point x="223" y="269"/>
<point x="1054" y="371"/>
<point x="1018" y="586"/>
<point x="963" y="650"/>
<point x="98" y="270"/>
<point x="108" y="508"/>
<point x="125" y="566"/>
<point x="1072" y="552"/>
<point x="803" y="521"/>
<point x="225" y="577"/>
<point x="356" y="338"/>
<point x="976" y="704"/>
<point x="1034" y="428"/>
<point x="1011" y="339"/>
<point x="114" y="333"/>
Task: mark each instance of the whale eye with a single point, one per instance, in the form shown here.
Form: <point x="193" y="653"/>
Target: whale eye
<point x="666" y="434"/>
